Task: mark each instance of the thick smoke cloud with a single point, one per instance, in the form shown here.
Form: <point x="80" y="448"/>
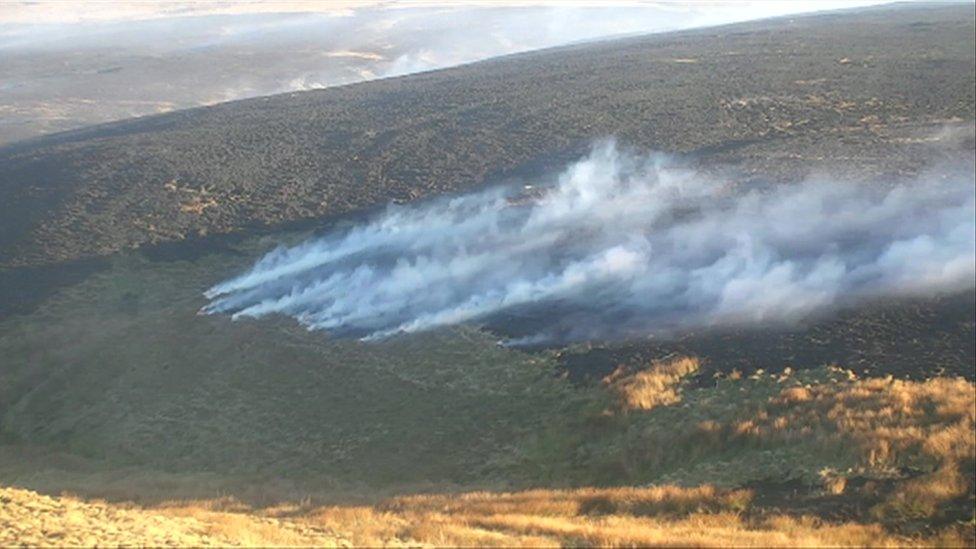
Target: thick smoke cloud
<point x="622" y="245"/>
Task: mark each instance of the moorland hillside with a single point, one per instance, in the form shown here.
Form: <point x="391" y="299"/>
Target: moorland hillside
<point x="872" y="94"/>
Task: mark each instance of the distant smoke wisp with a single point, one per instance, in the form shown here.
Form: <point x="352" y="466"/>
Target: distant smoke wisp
<point x="622" y="245"/>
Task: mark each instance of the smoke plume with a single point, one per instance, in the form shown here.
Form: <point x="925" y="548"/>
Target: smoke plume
<point x="622" y="245"/>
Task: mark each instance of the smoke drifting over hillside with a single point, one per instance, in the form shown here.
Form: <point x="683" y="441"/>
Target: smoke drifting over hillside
<point x="623" y="245"/>
<point x="66" y="65"/>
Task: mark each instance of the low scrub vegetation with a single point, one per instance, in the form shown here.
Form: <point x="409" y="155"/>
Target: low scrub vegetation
<point x="266" y="434"/>
<point x="817" y="458"/>
<point x="899" y="453"/>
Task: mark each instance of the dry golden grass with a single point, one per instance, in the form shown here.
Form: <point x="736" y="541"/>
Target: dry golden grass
<point x="928" y="425"/>
<point x="887" y="418"/>
<point x="31" y="519"/>
<point x="662" y="515"/>
<point x="883" y="425"/>
<point x="814" y="422"/>
<point x="656" y="386"/>
<point x="256" y="530"/>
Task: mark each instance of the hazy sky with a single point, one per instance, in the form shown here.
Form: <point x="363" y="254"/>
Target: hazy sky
<point x="71" y="63"/>
<point x="67" y="11"/>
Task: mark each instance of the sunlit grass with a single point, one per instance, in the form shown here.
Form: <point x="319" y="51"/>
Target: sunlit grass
<point x="878" y="426"/>
<point x="658" y="385"/>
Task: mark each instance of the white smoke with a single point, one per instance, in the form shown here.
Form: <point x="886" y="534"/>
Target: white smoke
<point x="622" y="245"/>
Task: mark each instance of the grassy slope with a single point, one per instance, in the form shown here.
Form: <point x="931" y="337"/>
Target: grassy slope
<point x="875" y="462"/>
<point x="31" y="519"/>
<point x="143" y="400"/>
<point x="115" y="388"/>
<point x="121" y="366"/>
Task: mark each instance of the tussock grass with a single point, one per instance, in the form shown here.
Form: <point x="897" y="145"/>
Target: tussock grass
<point x="902" y="450"/>
<point x="659" y="515"/>
<point x="630" y="516"/>
<point x="655" y="386"/>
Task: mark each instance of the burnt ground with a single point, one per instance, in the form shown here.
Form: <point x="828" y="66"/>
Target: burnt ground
<point x="875" y="95"/>
<point x="871" y="95"/>
<point x="908" y="339"/>
<point x="797" y="498"/>
<point x="118" y="367"/>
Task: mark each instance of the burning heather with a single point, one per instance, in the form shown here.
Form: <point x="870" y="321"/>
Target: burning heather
<point x="622" y="245"/>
